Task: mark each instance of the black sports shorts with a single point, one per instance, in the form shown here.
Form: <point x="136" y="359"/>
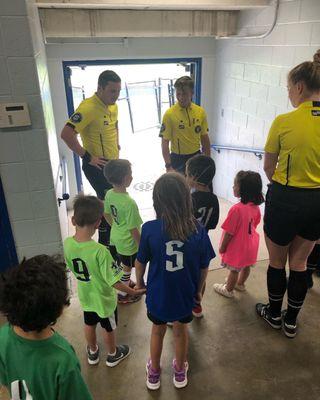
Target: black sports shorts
<point x="157" y="321"/>
<point x="128" y="261"/>
<point x="290" y="212"/>
<point x="178" y="161"/>
<point x="109" y="324"/>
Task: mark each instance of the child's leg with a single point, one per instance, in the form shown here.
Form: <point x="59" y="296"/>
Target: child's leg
<point x="156" y="344"/>
<point x="125" y="279"/>
<point x="243" y="275"/>
<point x="232" y="280"/>
<point x="109" y="341"/>
<point x="91" y="337"/>
<point x="181" y="340"/>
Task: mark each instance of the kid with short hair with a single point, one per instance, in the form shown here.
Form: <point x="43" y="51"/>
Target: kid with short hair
<point x="97" y="277"/>
<point x="179" y="252"/>
<point x="240" y="240"/>
<point x="200" y="171"/>
<point x="35" y="361"/>
<point x="122" y="213"/>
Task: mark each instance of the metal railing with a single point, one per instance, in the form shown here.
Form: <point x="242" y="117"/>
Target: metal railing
<point x="63" y="177"/>
<point x="257" y="152"/>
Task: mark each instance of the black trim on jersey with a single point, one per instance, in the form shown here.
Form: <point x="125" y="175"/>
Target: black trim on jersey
<point x="179" y="146"/>
<point x="316" y="104"/>
<point x="288" y="166"/>
<point x="70" y="124"/>
<point x="102" y="145"/>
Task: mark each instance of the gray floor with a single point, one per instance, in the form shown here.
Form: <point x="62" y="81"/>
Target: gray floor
<point x="233" y="354"/>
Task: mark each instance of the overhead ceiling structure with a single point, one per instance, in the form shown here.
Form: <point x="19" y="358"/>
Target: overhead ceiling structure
<point x="98" y="19"/>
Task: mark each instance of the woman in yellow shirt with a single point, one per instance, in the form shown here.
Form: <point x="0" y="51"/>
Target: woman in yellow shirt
<point x="292" y="213"/>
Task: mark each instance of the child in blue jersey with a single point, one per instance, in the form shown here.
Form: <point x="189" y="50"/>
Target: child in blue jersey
<point x="179" y="252"/>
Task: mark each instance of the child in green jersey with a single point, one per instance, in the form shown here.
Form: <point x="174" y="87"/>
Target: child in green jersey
<point x="122" y="213"/>
<point x="35" y="361"/>
<point x="97" y="278"/>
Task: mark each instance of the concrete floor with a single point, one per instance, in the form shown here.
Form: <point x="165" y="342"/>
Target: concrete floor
<point x="233" y="354"/>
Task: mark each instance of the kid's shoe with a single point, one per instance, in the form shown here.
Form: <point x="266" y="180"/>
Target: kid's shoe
<point x="93" y="357"/>
<point x="180" y="378"/>
<point x="153" y="377"/>
<point x="122" y="352"/>
<point x="197" y="311"/>
<point x="263" y="310"/>
<point x="290" y="330"/>
<point x="222" y="289"/>
<point x="240" y="288"/>
<point x="127" y="299"/>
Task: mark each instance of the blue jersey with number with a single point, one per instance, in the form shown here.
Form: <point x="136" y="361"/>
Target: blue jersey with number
<point x="174" y="269"/>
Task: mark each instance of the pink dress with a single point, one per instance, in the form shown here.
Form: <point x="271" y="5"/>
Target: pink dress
<point x="241" y="222"/>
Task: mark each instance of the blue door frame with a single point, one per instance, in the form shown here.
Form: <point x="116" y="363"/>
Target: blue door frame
<point x="196" y="67"/>
<point x="8" y="254"/>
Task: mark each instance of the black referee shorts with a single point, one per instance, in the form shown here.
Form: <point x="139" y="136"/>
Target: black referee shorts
<point x="290" y="212"/>
<point x="178" y="161"/>
<point x="109" y="324"/>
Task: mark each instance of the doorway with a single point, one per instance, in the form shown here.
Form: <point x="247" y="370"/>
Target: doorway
<point x="147" y="92"/>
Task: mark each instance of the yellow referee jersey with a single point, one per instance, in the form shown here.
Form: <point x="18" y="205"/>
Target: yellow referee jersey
<point x="295" y="136"/>
<point x="183" y="127"/>
<point x="97" y="125"/>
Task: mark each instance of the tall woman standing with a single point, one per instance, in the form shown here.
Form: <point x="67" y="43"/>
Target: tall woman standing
<point x="292" y="213"/>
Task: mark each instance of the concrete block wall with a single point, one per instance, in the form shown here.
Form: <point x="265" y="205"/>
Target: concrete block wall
<point x="250" y="82"/>
<point x="29" y="159"/>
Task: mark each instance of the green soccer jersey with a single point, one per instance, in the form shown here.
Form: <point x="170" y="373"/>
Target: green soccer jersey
<point x="125" y="215"/>
<point x="96" y="273"/>
<point x="45" y="369"/>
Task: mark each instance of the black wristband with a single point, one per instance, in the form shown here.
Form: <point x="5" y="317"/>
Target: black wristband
<point x="86" y="157"/>
<point x="168" y="165"/>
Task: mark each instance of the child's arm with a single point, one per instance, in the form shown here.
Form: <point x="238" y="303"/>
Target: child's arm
<point x="140" y="270"/>
<point x="124" y="288"/>
<point x="225" y="241"/>
<point x="135" y="233"/>
<point x="108" y="218"/>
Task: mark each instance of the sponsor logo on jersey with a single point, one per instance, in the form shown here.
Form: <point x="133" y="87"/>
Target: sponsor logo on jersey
<point x="106" y="123"/>
<point x="181" y="126"/>
<point x="197" y="129"/>
<point x="76" y="118"/>
<point x="315" y="113"/>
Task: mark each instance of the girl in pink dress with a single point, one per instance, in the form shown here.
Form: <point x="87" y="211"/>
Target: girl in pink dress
<point x="240" y="240"/>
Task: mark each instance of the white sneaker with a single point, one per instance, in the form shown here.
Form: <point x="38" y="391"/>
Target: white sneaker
<point x="240" y="288"/>
<point x="222" y="289"/>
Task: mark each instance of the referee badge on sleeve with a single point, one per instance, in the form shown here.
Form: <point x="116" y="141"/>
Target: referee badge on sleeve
<point x="163" y="128"/>
<point x="76" y="118"/>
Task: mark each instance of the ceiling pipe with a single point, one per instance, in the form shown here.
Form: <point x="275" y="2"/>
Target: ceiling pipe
<point x="263" y="35"/>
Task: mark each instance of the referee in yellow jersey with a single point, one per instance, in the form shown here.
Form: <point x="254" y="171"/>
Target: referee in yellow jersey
<point x="292" y="213"/>
<point x="96" y="120"/>
<point x="184" y="127"/>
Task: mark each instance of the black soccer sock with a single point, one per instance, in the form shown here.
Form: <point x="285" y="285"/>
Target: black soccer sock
<point x="312" y="263"/>
<point x="297" y="290"/>
<point x="277" y="286"/>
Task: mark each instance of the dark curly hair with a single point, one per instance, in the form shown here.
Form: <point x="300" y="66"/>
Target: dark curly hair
<point x="34" y="293"/>
<point x="250" y="187"/>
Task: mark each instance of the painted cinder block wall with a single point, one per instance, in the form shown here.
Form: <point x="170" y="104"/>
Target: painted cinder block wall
<point x="28" y="169"/>
<point x="250" y="82"/>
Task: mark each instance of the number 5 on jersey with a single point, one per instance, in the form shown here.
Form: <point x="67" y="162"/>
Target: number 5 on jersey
<point x="176" y="265"/>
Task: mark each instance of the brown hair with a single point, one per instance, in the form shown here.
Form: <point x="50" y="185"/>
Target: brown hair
<point x="107" y="76"/>
<point x="307" y="72"/>
<point x="87" y="210"/>
<point x="250" y="187"/>
<point x="172" y="202"/>
<point x="116" y="170"/>
<point x="185" y="82"/>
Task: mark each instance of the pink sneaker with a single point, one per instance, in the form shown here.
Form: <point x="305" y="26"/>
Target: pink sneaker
<point x="153" y="377"/>
<point x="180" y="378"/>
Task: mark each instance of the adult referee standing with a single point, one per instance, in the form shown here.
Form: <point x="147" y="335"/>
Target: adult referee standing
<point x="292" y="213"/>
<point x="184" y="127"/>
<point x="96" y="120"/>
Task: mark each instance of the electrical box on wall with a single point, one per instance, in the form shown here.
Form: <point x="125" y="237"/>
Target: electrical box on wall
<point x="14" y="115"/>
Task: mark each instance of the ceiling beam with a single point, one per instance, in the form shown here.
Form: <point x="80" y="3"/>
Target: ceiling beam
<point x="227" y="5"/>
